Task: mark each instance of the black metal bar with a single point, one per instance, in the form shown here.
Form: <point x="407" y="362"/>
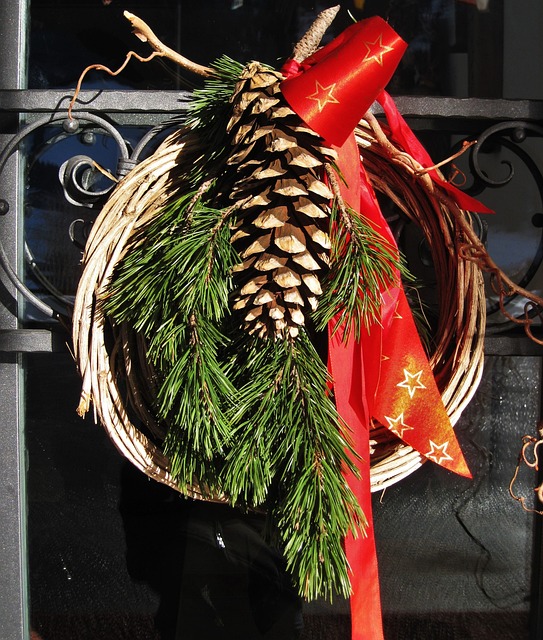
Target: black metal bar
<point x="517" y="344"/>
<point x="536" y="596"/>
<point x="14" y="610"/>
<point x="170" y="102"/>
<point x="29" y="341"/>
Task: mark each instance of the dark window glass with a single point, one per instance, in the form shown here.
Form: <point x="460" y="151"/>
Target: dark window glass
<point x="112" y="554"/>
<point x="455" y="47"/>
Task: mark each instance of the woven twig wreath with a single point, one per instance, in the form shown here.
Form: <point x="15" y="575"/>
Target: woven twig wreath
<point x="117" y="378"/>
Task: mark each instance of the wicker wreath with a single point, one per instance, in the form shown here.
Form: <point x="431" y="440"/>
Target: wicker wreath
<point x="117" y="378"/>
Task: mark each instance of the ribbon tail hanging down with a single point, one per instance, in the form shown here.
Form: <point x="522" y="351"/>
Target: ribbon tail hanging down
<point x="348" y="372"/>
<point x="385" y="374"/>
<point x="399" y="387"/>
<point x="371" y="380"/>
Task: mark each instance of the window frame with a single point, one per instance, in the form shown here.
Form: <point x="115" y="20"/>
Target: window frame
<point x="19" y="106"/>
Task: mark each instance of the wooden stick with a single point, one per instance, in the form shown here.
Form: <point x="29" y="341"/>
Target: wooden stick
<point x="144" y="32"/>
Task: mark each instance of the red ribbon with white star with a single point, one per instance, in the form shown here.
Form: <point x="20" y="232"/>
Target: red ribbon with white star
<point x="385" y="375"/>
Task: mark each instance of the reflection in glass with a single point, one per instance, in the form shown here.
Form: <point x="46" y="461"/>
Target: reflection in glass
<point x="455" y="555"/>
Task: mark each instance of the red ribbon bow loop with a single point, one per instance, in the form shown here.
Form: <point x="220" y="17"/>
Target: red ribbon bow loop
<point x="342" y="80"/>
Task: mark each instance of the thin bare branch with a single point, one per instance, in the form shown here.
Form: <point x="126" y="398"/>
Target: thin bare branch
<point x="144" y="32"/>
<point x="465" y="146"/>
<point x="101" y="67"/>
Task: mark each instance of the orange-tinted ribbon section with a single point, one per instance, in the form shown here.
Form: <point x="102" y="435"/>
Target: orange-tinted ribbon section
<point x="384" y="375"/>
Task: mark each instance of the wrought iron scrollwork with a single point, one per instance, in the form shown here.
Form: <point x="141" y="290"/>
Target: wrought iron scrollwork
<point x="77" y="175"/>
<point x="81" y="178"/>
<point x="511" y="135"/>
<point x="518" y="133"/>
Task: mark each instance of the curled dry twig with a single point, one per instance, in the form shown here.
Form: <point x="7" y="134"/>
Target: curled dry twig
<point x="533" y="443"/>
<point x="144" y="32"/>
<point x="307" y="45"/>
<point x="465" y="146"/>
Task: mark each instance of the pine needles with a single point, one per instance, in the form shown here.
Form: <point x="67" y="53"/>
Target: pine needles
<point x="179" y="307"/>
<point x="208" y="113"/>
<point x="362" y="265"/>
<point x="289" y="451"/>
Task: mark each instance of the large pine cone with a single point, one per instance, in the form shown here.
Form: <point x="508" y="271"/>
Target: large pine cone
<point x="282" y="230"/>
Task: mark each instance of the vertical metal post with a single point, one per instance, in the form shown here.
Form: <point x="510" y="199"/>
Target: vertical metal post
<point x="13" y="583"/>
<point x="486" y="52"/>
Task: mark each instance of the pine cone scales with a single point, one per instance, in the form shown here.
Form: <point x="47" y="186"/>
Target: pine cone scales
<point x="282" y="229"/>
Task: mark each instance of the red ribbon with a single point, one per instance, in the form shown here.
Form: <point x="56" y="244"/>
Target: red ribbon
<point x="385" y="375"/>
<point x="341" y="80"/>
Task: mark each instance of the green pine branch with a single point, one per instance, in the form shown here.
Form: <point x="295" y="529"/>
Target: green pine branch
<point x="208" y="114"/>
<point x="212" y="101"/>
<point x="362" y="265"/>
<point x="193" y="398"/>
<point x="173" y="286"/>
<point x="288" y="451"/>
